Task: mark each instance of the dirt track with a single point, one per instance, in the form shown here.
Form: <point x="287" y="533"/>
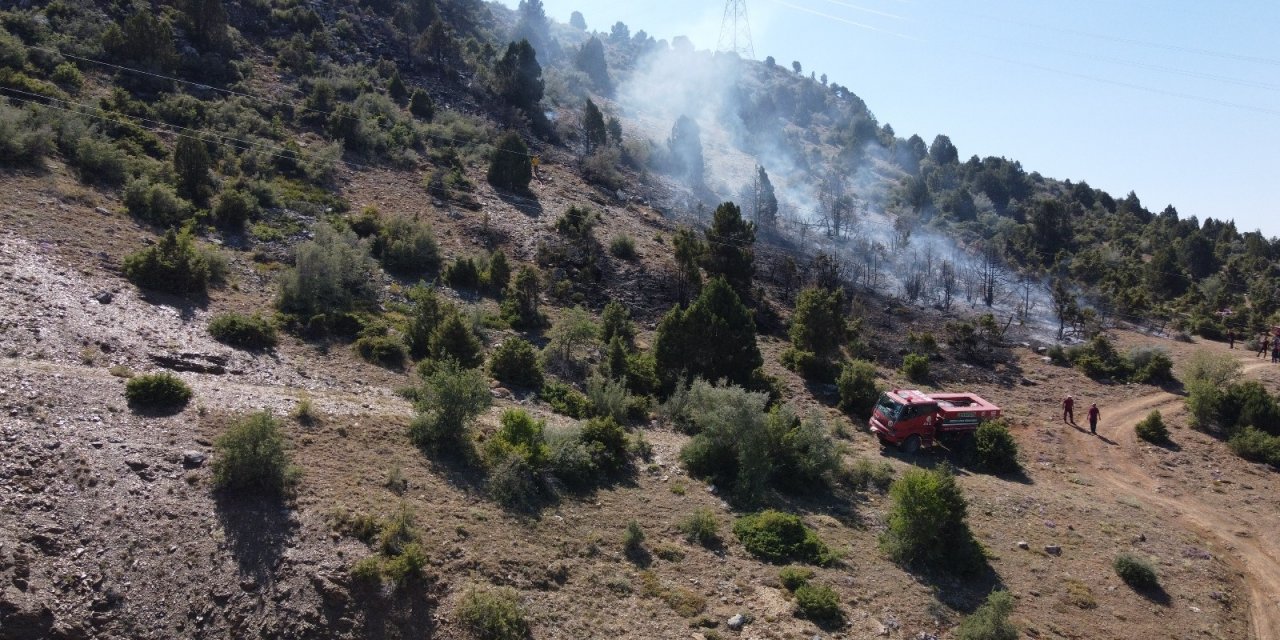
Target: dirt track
<point x="1253" y="545"/>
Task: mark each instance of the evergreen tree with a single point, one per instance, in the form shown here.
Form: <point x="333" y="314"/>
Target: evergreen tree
<point x="396" y="88"/>
<point x="817" y="325"/>
<point x="428" y="311"/>
<point x="615" y="322"/>
<point x="520" y="304"/>
<point x="191" y="165"/>
<point x="729" y="248"/>
<point x="420" y="105"/>
<point x="454" y="340"/>
<point x="577" y="21"/>
<point x="591" y="61"/>
<point x="144" y="41"/>
<point x="207" y="22"/>
<point x="685" y="147"/>
<point x="437" y="48"/>
<point x="615" y="131"/>
<point x="714" y="338"/>
<point x="509" y="165"/>
<point x="689" y="251"/>
<point x="942" y="152"/>
<point x="764" y="202"/>
<point x="533" y="25"/>
<point x="593" y="127"/>
<point x="519" y="76"/>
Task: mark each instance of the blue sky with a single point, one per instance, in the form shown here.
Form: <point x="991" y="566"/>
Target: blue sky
<point x="1178" y="101"/>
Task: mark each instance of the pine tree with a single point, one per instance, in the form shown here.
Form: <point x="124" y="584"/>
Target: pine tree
<point x="428" y="311"/>
<point x="519" y="76"/>
<point x="420" y="105"/>
<point x="591" y="61"/>
<point x="520" y="304"/>
<point x="396" y="88"/>
<point x="714" y="338"/>
<point x="729" y="248"/>
<point x="685" y="147"/>
<point x="454" y="340"/>
<point x="191" y="164"/>
<point x="593" y="128"/>
<point x="689" y="251"/>
<point x="509" y="166"/>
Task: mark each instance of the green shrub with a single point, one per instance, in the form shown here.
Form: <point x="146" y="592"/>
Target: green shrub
<point x="235" y="208"/>
<point x="924" y="342"/>
<point x="916" y="367"/>
<point x="569" y="460"/>
<point x="774" y="536"/>
<point x="175" y="264"/>
<point x="809" y="365"/>
<point x="991" y="620"/>
<point x="250" y="456"/>
<point x="565" y="400"/>
<point x="857" y="387"/>
<point x="243" y="331"/>
<point x="407" y="565"/>
<point x="1256" y="445"/>
<point x="462" y="273"/>
<point x="514" y="483"/>
<point x="332" y="273"/>
<point x="1150" y="365"/>
<point x="516" y="362"/>
<point x="1152" y="429"/>
<point x="157" y="391"/>
<point x="994" y="447"/>
<point x="67" y="76"/>
<point x="608" y="397"/>
<point x="1098" y="358"/>
<point x="623" y="246"/>
<point x="1135" y="571"/>
<point x="926" y="525"/>
<point x="449" y="399"/>
<point x="731" y="445"/>
<point x="409" y="248"/>
<point x="509" y="165"/>
<point x="156" y="203"/>
<point x="23" y="141"/>
<point x="817" y="325"/>
<point x="818" y="603"/>
<point x="383" y="350"/>
<point x="701" y="527"/>
<point x="366" y="571"/>
<point x="520" y="302"/>
<point x="98" y="161"/>
<point x="794" y="577"/>
<point x="454" y="340"/>
<point x="633" y="537"/>
<point x="606" y="442"/>
<point x="518" y="435"/>
<point x="498" y="276"/>
<point x="492" y="614"/>
<point x="864" y="474"/>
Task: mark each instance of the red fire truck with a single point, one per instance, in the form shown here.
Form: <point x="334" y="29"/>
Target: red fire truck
<point x="910" y="419"/>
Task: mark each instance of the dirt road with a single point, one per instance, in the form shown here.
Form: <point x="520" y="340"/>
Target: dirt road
<point x="1254" y="546"/>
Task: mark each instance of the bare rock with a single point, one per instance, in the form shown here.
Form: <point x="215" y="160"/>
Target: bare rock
<point x="1022" y="544"/>
<point x="737" y="622"/>
<point x="192" y="459"/>
<point x="1053" y="549"/>
<point x="24" y="616"/>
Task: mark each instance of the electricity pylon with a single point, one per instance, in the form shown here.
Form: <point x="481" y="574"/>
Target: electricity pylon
<point x="735" y="32"/>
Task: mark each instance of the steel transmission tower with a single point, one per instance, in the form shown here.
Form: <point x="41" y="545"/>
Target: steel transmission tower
<point x="735" y="32"/>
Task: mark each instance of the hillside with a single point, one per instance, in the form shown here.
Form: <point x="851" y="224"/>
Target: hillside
<point x="440" y="302"/>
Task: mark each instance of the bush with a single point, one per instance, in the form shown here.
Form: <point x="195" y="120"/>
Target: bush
<point x="235" y="208"/>
<point x="857" y="386"/>
<point x="463" y="273"/>
<point x="406" y="565"/>
<point x="926" y="523"/>
<point x="243" y="331"/>
<point x="454" y="340"/>
<point x="608" y="397"/>
<point x="864" y="474"/>
<point x="701" y="527"/>
<point x="1256" y="445"/>
<point x="794" y="577"/>
<point x="409" y="248"/>
<point x="565" y="400"/>
<point x="779" y="537"/>
<point x="22" y="140"/>
<point x="516" y="362"/>
<point x="1152" y="429"/>
<point x="569" y="460"/>
<point x="520" y="436"/>
<point x="633" y="537"/>
<point x="1135" y="571"/>
<point x="366" y="571"/>
<point x="448" y="400"/>
<point x="818" y="603"/>
<point x="509" y="165"/>
<point x="492" y="614"/>
<point x="383" y="350"/>
<point x="250" y="456"/>
<point x="990" y="621"/>
<point x="175" y="264"/>
<point x="156" y="203"/>
<point x="331" y="273"/>
<point x="916" y="367"/>
<point x="514" y="483"/>
<point x="803" y="455"/>
<point x="809" y="365"/>
<point x="731" y="445"/>
<point x="606" y="442"/>
<point x="157" y="391"/>
<point x="623" y="247"/>
<point x="1150" y="365"/>
<point x="994" y="447"/>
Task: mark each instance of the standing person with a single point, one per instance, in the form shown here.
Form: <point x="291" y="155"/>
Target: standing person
<point x="1265" y="345"/>
<point x="1231" y="338"/>
<point x="1094" y="414"/>
<point x="1275" y="351"/>
<point x="1068" y="403"/>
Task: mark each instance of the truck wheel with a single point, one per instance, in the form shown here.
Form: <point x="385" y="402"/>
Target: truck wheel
<point x="911" y="444"/>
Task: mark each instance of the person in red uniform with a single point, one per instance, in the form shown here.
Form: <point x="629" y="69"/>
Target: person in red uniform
<point x="1094" y="414"/>
<point x="1068" y="403"/>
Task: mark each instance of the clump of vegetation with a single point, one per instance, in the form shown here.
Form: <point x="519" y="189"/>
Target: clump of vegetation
<point x="1152" y="429"/>
<point x="633" y="538"/>
<point x="927" y="525"/>
<point x="916" y="367"/>
<point x="991" y="620"/>
<point x="175" y="264"/>
<point x="449" y="399"/>
<point x="156" y="203"/>
<point x="1098" y="358"/>
<point x="462" y="273"/>
<point x="381" y="348"/>
<point x="250" y="457"/>
<point x="332" y="273"/>
<point x="509" y="166"/>
<point x="492" y="614"/>
<point x="520" y="307"/>
<point x="819" y="603"/>
<point x="774" y="536"/>
<point x="623" y="247"/>
<point x="408" y="248"/>
<point x="863" y="474"/>
<point x="714" y="338"/>
<point x="994" y="447"/>
<point x="515" y="361"/>
<point x="857" y="387"/>
<point x="243" y="331"/>
<point x="1135" y="571"/>
<point x="1256" y="445"/>
<point x="157" y="391"/>
<point x="794" y="577"/>
<point x="701" y="527"/>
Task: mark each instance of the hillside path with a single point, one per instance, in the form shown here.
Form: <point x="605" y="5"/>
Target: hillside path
<point x="1115" y="462"/>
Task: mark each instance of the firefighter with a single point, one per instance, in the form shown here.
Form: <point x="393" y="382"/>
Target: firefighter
<point x="1094" y="414"/>
<point x="1231" y="338"/>
<point x="1275" y="351"/>
<point x="1068" y="403"/>
<point x="1265" y="345"/>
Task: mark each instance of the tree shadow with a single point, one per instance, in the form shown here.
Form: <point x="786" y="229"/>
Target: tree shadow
<point x="187" y="306"/>
<point x="401" y="612"/>
<point x="639" y="556"/>
<point x="1155" y="594"/>
<point x="963" y="592"/>
<point x="525" y="202"/>
<point x="257" y="528"/>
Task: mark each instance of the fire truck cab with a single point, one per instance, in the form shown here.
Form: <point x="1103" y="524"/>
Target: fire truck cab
<point x="911" y="419"/>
